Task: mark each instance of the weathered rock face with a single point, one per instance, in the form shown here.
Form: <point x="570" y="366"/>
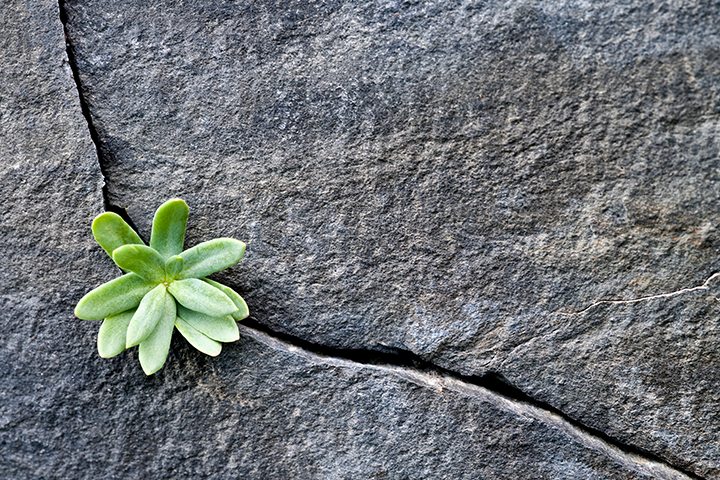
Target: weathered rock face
<point x="457" y="179"/>
<point x="50" y="188"/>
<point x="47" y="159"/>
<point x="261" y="411"/>
<point x="469" y="182"/>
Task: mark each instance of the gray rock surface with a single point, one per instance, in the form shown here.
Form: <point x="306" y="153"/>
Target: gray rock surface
<point x="456" y="179"/>
<point x="263" y="409"/>
<point x="269" y="410"/>
<point x="654" y="363"/>
<point x="50" y="189"/>
<point x="486" y="185"/>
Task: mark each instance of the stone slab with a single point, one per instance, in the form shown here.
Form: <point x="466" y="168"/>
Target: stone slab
<point x="447" y="178"/>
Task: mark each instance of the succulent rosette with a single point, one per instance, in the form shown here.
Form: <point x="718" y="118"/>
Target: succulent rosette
<point x="164" y="288"/>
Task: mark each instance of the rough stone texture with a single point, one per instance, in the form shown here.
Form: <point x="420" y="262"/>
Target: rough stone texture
<point x="654" y="363"/>
<point x="450" y="178"/>
<point x="263" y="409"/>
<point x="50" y="189"/>
<point x="47" y="160"/>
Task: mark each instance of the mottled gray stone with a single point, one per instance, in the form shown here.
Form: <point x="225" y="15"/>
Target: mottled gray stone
<point x="50" y="189"/>
<point x="446" y="178"/>
<point x="655" y="362"/>
<point x="263" y="409"/>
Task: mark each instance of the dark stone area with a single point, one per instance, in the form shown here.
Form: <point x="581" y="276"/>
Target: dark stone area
<point x="266" y="410"/>
<point x="447" y="178"/>
<point x="477" y="184"/>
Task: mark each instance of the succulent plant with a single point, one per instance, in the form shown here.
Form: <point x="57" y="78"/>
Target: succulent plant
<point x="163" y="288"/>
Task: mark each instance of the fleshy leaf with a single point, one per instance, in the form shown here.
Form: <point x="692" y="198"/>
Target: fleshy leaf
<point x="112" y="335"/>
<point x="210" y="257"/>
<point x="173" y="265"/>
<point x="147" y="316"/>
<point x="111" y="232"/>
<point x="197" y="339"/>
<point x="113" y="297"/>
<point x="222" y="329"/>
<point x="201" y="297"/>
<point x="153" y="351"/>
<point x="243" y="311"/>
<point x="141" y="260"/>
<point x="168" y="230"/>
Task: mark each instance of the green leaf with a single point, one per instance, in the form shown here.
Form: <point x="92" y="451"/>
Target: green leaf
<point x="111" y="232"/>
<point x="210" y="257"/>
<point x="222" y="329"/>
<point x="197" y="339"/>
<point x="201" y="297"/>
<point x="243" y="311"/>
<point x="153" y="351"/>
<point x="173" y="265"/>
<point x="147" y="316"/>
<point x="168" y="230"/>
<point x="113" y="297"/>
<point x="141" y="260"/>
<point x="111" y="338"/>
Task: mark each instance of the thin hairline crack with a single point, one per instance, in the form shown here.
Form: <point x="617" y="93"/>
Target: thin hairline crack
<point x="85" y="110"/>
<point x="704" y="286"/>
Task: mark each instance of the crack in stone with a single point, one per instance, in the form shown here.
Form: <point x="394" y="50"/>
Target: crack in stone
<point x="492" y="388"/>
<point x="704" y="286"/>
<point x="85" y="109"/>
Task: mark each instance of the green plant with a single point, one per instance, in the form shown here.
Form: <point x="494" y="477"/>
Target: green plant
<point x="163" y="288"/>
